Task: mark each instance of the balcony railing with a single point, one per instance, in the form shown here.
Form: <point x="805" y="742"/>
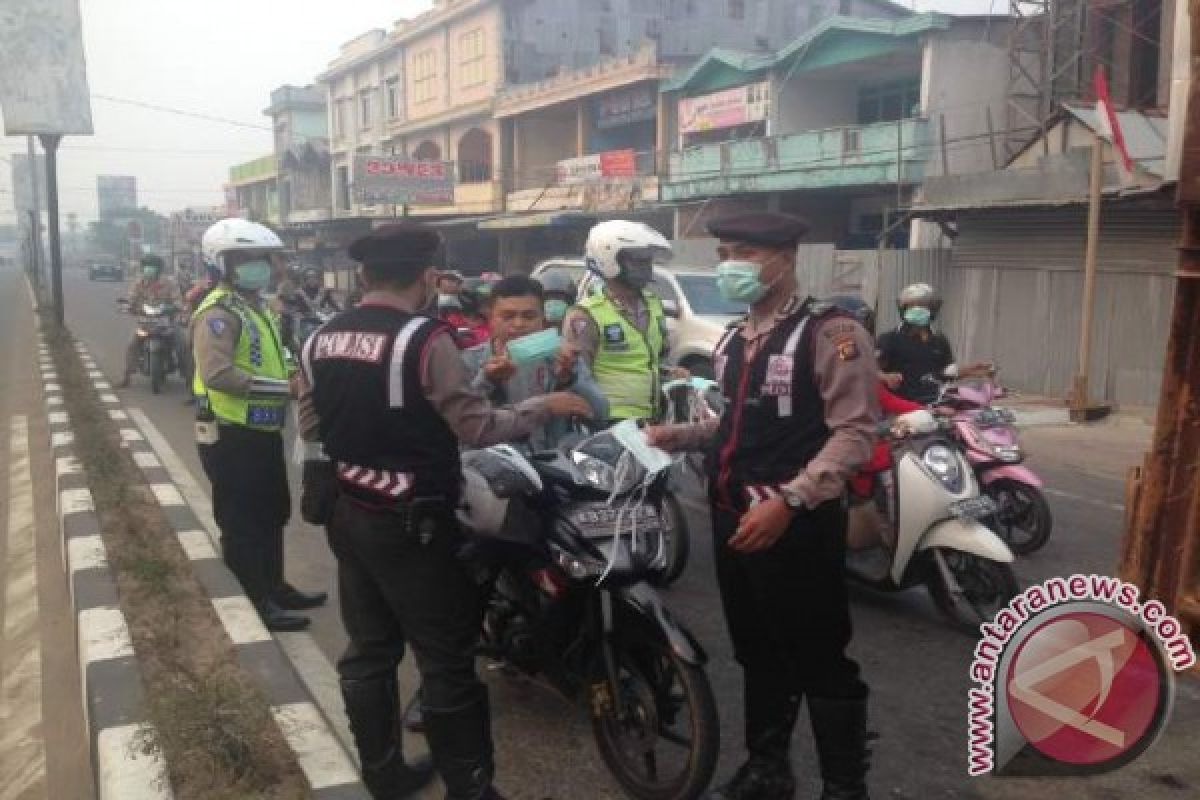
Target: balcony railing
<point x="885" y="152"/>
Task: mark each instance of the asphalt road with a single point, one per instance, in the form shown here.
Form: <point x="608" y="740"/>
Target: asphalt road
<point x="917" y="666"/>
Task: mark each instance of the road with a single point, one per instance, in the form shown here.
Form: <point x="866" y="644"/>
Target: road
<point x="916" y="665"/>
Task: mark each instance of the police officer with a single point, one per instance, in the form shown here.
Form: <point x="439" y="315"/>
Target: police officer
<point x="621" y="332"/>
<point x="241" y="387"/>
<point x="385" y="390"/>
<point x="800" y="383"/>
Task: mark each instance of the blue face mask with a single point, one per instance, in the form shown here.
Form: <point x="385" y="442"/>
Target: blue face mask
<point x="534" y="347"/>
<point x="252" y="276"/>
<point x="915" y="315"/>
<point x="555" y="310"/>
<point x="739" y="282"/>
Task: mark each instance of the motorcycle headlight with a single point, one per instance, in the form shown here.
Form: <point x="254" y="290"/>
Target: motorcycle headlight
<point x="944" y="465"/>
<point x="598" y="474"/>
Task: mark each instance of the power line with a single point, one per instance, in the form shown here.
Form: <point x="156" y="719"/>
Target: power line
<point x="181" y="112"/>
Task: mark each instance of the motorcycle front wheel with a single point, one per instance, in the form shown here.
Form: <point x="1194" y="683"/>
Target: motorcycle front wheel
<point x="1023" y="520"/>
<point x="158" y="371"/>
<point x="660" y="737"/>
<point x="986" y="587"/>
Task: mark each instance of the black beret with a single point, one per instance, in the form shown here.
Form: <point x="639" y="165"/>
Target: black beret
<point x="761" y="228"/>
<point x="401" y="244"/>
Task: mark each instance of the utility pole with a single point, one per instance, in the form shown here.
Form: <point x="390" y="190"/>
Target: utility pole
<point x="1081" y="407"/>
<point x="50" y="145"/>
<point x="1161" y="549"/>
<point x="35" y="178"/>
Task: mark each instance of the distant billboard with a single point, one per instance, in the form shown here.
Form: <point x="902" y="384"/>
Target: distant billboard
<point x="43" y="78"/>
<point x="724" y="109"/>
<point x="610" y="165"/>
<point x="394" y="180"/>
<point x="116" y="195"/>
<point x="22" y="180"/>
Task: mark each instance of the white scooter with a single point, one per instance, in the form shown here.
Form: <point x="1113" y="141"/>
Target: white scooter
<point x="923" y="527"/>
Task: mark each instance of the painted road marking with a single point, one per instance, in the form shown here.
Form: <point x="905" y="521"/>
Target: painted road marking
<point x="86" y="552"/>
<point x="143" y="777"/>
<point x="72" y="501"/>
<point x="240" y="619"/>
<point x="196" y="545"/>
<point x="58" y="418"/>
<point x="323" y="761"/>
<point x="108" y="397"/>
<point x="145" y="459"/>
<point x="61" y="439"/>
<point x="117" y="415"/>
<point x="130" y="435"/>
<point x="1081" y="499"/>
<point x="103" y="635"/>
<point x="21" y="668"/>
<point x="167" y="494"/>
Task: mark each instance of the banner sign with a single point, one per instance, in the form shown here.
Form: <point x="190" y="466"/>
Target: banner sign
<point x="725" y="109"/>
<point x="613" y="164"/>
<point x="395" y="180"/>
<point x="43" y="79"/>
<point x="616" y="109"/>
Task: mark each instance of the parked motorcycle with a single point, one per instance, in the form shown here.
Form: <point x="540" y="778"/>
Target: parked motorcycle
<point x="565" y="544"/>
<point x="925" y="525"/>
<point x="989" y="437"/>
<point x="158" y="336"/>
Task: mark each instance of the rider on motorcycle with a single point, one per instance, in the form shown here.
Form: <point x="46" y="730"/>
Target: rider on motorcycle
<point x="151" y="287"/>
<point x="314" y="294"/>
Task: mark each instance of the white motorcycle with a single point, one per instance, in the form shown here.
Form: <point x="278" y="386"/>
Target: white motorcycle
<point x="923" y="526"/>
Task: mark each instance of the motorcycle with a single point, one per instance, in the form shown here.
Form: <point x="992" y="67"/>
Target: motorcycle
<point x="989" y="436"/>
<point x="925" y="525"/>
<point x="565" y="544"/>
<point x="158" y="336"/>
<point x="304" y="325"/>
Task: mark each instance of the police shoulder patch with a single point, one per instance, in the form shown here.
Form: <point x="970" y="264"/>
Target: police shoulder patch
<point x="614" y="333"/>
<point x="217" y="325"/>
<point x="847" y="347"/>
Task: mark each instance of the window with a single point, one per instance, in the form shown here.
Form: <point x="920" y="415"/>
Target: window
<point x="343" y="188"/>
<point x="424" y="76"/>
<point x="339" y="119"/>
<point x="737" y="9"/>
<point x="364" y="109"/>
<point x="471" y="58"/>
<point x="887" y="102"/>
<point x="392" y="97"/>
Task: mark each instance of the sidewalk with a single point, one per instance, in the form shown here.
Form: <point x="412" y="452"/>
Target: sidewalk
<point x="44" y="750"/>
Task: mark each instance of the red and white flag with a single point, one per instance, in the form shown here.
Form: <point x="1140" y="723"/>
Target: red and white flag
<point x="1108" y="126"/>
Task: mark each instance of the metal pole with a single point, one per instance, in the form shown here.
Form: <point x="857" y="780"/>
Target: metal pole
<point x="1079" y="402"/>
<point x="35" y="182"/>
<point x="50" y="145"/>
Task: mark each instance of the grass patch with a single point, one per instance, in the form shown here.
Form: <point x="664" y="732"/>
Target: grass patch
<point x="211" y="723"/>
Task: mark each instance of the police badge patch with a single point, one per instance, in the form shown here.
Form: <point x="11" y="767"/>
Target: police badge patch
<point x="613" y="333"/>
<point x="218" y="326"/>
<point x="847" y="348"/>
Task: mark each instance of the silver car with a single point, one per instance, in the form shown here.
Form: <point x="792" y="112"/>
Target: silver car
<point x="697" y="315"/>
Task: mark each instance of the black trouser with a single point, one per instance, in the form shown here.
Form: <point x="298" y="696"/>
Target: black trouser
<point x="789" y="619"/>
<point x="400" y="584"/>
<point x="251" y="505"/>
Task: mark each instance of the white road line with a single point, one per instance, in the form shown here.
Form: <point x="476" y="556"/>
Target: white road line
<point x="72" y="501"/>
<point x="117" y="415"/>
<point x="61" y="438"/>
<point x="52" y="387"/>
<point x="125" y="772"/>
<point x="108" y="397"/>
<point x="144" y="458"/>
<point x="58" y="418"/>
<point x="67" y="465"/>
<point x="167" y="494"/>
<point x="103" y="636"/>
<point x="1081" y="499"/>
<point x="86" y="552"/>
<point x="324" y="763"/>
<point x="130" y="435"/>
<point x="240" y="619"/>
<point x="196" y="545"/>
<point x="310" y="662"/>
<point x="21" y="668"/>
<point x="53" y="401"/>
<point x="102" y="386"/>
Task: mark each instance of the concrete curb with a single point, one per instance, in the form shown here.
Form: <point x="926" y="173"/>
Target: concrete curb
<point x="328" y="768"/>
<point x="112" y="681"/>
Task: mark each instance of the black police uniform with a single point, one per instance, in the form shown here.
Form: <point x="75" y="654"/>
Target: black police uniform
<point x="786" y="607"/>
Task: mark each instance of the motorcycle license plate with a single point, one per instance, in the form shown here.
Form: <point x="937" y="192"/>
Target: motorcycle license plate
<point x="599" y="520"/>
<point x="974" y="507"/>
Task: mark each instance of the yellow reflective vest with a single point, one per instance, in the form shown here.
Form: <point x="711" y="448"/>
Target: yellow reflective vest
<point x="627" y="362"/>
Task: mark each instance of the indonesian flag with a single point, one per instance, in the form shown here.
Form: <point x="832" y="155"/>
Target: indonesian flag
<point x="1107" y="125"/>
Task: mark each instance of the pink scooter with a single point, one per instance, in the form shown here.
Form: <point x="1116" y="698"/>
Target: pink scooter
<point x="989" y="437"/>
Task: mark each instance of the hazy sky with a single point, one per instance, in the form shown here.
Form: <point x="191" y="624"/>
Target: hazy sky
<point x="216" y="57"/>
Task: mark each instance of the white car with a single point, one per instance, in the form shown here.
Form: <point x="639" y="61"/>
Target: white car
<point x="697" y="315"/>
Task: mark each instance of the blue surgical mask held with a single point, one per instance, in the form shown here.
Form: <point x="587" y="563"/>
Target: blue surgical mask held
<point x="252" y="276"/>
<point x="741" y="281"/>
<point x="918" y="316"/>
<point x="534" y="346"/>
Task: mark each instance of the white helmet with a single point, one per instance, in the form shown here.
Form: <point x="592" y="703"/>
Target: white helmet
<point x="608" y="240"/>
<point x="236" y="234"/>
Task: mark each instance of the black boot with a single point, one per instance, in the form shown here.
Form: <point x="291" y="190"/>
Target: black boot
<point x="840" y="730"/>
<point x="371" y="706"/>
<point x="414" y="719"/>
<point x="767" y="775"/>
<point x="290" y="598"/>
<point x="760" y="778"/>
<point x="461" y="742"/>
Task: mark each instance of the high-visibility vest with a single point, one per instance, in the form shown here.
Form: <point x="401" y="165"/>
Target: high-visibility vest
<point x="627" y="361"/>
<point x="259" y="352"/>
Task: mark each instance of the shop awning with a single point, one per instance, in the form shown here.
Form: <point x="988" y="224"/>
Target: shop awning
<point x="549" y="219"/>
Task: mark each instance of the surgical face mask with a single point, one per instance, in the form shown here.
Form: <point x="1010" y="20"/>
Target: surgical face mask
<point x="534" y="346"/>
<point x="555" y="310"/>
<point x="918" y="316"/>
<point x="252" y="276"/>
<point x="739" y="281"/>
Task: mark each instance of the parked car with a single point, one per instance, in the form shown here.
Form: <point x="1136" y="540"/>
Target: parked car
<point x="105" y="271"/>
<point x="697" y="315"/>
